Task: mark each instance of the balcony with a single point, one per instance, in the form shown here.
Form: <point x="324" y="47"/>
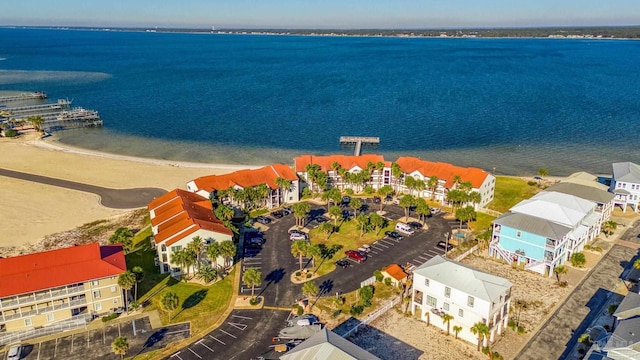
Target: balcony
<point x="39" y="296"/>
<point x="42" y="310"/>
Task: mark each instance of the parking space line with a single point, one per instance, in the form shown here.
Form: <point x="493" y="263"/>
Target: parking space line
<point x="216" y="339"/>
<point x="242" y="317"/>
<point x="176" y="355"/>
<point x="374" y="252"/>
<point x="55" y="348"/>
<point x="71" y="343"/>
<point x="238" y="326"/>
<point x="423" y="257"/>
<point x="386" y="242"/>
<point x="205" y="345"/>
<point x="104" y="340"/>
<point x="432" y="253"/>
<point x="195" y="353"/>
<point x="233" y="336"/>
<point x="39" y="347"/>
<point x="88" y="343"/>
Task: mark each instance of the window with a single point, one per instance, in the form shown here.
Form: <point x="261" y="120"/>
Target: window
<point x="96" y="294"/>
<point x="431" y="301"/>
<point x="27" y="322"/>
<point x="426" y="282"/>
<point x="95" y="283"/>
<point x="470" y="301"/>
<point x="163" y="248"/>
<point x="98" y="306"/>
<point x="460" y="312"/>
<point x="447" y="291"/>
<point x="113" y="289"/>
<point x="115" y="301"/>
<point x="50" y="318"/>
<point x="446" y="306"/>
<point x="176" y="248"/>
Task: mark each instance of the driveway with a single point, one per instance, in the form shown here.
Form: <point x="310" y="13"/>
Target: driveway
<point x="111" y="198"/>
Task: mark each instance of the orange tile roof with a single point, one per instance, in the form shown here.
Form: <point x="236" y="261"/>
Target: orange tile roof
<point x="49" y="269"/>
<point x="180" y="213"/>
<point x="395" y="271"/>
<point x="443" y="171"/>
<point x="247" y="178"/>
<point x="346" y="161"/>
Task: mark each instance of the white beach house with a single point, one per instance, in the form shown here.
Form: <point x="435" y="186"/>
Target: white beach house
<point x="625" y="184"/>
<point x="443" y="286"/>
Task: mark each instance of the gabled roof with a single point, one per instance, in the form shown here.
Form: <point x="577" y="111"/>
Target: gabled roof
<point x="348" y="162"/>
<point x="557" y="207"/>
<point x="584" y="178"/>
<point x="626" y="335"/>
<point x="395" y="271"/>
<point x="180" y="213"/>
<point x="533" y="225"/>
<point x="629" y="307"/>
<point x="266" y="175"/>
<point x="627" y="172"/>
<point x="583" y="191"/>
<point x="443" y="171"/>
<point x="474" y="282"/>
<point x="49" y="269"/>
<point x="327" y="345"/>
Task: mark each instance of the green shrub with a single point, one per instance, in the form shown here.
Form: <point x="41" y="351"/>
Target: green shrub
<point x="309" y="275"/>
<point x="110" y="317"/>
<point x="10" y="133"/>
<point x="366" y="293"/>
<point x="336" y="313"/>
<point x="387" y="281"/>
<point x="306" y="193"/>
<point x="356" y="310"/>
<point x="254" y="301"/>
<point x="366" y="303"/>
<point x="587" y="247"/>
<point x="378" y="275"/>
<point x="298" y="310"/>
<point x="348" y="191"/>
<point x="369" y="190"/>
<point x="578" y="259"/>
<point x="597" y="248"/>
<point x="532" y="183"/>
<point x="298" y="273"/>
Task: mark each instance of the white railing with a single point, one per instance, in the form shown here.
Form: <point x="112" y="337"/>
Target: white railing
<point x="373" y="316"/>
<point x="75" y="323"/>
<point x="466" y="253"/>
<point x="503" y="254"/>
<point x="490" y="212"/>
<point x="534" y="264"/>
<point x="369" y="281"/>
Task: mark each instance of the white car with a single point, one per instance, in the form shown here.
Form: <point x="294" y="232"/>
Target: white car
<point x="297" y="236"/>
<point x="15" y="352"/>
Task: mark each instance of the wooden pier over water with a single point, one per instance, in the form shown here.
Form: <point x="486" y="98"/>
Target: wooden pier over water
<point x="358" y="141"/>
<point x="24" y="96"/>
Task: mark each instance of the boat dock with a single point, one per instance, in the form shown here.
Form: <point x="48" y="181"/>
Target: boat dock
<point x="56" y="116"/>
<point x="358" y="141"/>
<point x="38" y="95"/>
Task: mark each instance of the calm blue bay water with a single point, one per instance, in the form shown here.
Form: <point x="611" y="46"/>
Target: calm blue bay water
<point x="517" y="105"/>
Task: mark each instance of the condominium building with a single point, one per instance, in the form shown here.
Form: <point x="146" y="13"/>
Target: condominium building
<point x="41" y="289"/>
<point x="379" y="169"/>
<point x="442" y="286"/>
<point x="625" y="184"/>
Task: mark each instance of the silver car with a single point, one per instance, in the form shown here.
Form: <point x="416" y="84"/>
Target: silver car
<point x="15" y="352"/>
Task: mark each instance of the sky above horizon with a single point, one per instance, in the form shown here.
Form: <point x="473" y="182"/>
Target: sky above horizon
<point x="343" y="14"/>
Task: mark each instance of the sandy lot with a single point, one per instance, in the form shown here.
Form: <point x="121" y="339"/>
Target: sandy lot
<point x="29" y="211"/>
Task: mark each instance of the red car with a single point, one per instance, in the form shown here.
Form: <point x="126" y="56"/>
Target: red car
<point x="358" y="256"/>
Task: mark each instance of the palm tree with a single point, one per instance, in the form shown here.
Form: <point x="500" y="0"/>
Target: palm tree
<point x="126" y="281"/>
<point x="446" y="319"/>
<point x="465" y="214"/>
<point x="120" y="346"/>
<point x="636" y="264"/>
<point x="480" y="329"/>
<point x="609" y="227"/>
<point x="376" y="221"/>
<point x="409" y="183"/>
<point x="310" y="289"/>
<point x="314" y="251"/>
<point x="457" y="329"/>
<point x="169" y="301"/>
<point x="312" y="170"/>
<point x="396" y="172"/>
<point x="363" y="222"/>
<point x="299" y="249"/>
<point x="179" y="257"/>
<point x="326" y="228"/>
<point x="284" y="185"/>
<point x="37" y="122"/>
<point x="336" y="167"/>
<point x="456" y="181"/>
<point x="542" y="172"/>
<point x="300" y="211"/>
<point x="432" y="184"/>
<point x="213" y="252"/>
<point x="224" y="213"/>
<point x="420" y="186"/>
<point x="474" y="197"/>
<point x="252" y="277"/>
<point x="197" y="247"/>
<point x="559" y="270"/>
<point x="380" y="168"/>
<point x="422" y="208"/>
<point x="406" y="202"/>
<point x="228" y="250"/>
<point x="455" y="197"/>
<point x="331" y="194"/>
<point x="356" y="204"/>
<point x="335" y="213"/>
<point x="383" y="192"/>
<point x="139" y="273"/>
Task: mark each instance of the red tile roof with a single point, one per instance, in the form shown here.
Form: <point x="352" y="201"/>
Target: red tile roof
<point x="395" y="271"/>
<point x="443" y="171"/>
<point x="180" y="213"/>
<point x="247" y="178"/>
<point x="346" y="161"/>
<point x="49" y="269"/>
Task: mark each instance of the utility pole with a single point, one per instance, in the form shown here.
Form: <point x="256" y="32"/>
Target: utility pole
<point x="446" y="244"/>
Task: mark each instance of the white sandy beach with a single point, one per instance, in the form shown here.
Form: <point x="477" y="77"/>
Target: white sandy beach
<point x="29" y="211"/>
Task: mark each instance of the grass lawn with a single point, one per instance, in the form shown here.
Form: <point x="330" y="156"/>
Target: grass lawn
<point x="482" y="223"/>
<point x="202" y="305"/>
<point x="348" y="237"/>
<point x="510" y="191"/>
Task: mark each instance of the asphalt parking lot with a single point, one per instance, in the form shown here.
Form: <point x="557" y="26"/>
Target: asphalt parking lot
<point x="245" y="334"/>
<point x="96" y="344"/>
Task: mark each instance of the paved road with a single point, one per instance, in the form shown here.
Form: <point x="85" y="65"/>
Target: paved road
<point x="111" y="198"/>
<point x="559" y="334"/>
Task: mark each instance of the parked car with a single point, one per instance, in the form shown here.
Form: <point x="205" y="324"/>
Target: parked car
<point x="365" y="249"/>
<point x="414" y="224"/>
<point x="343" y="263"/>
<point x="388" y="198"/>
<point x="356" y="255"/>
<point x="287" y="210"/>
<point x="404" y="228"/>
<point x="346" y="200"/>
<point x="15" y="352"/>
<point x="394" y="235"/>
<point x="297" y="236"/>
<point x="376" y="199"/>
<point x="321" y="219"/>
<point x="254" y="241"/>
<point x="263" y="220"/>
<point x="295" y="231"/>
<point x="277" y="214"/>
<point x="443" y="244"/>
<point x="345" y="214"/>
<point x="435" y="211"/>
